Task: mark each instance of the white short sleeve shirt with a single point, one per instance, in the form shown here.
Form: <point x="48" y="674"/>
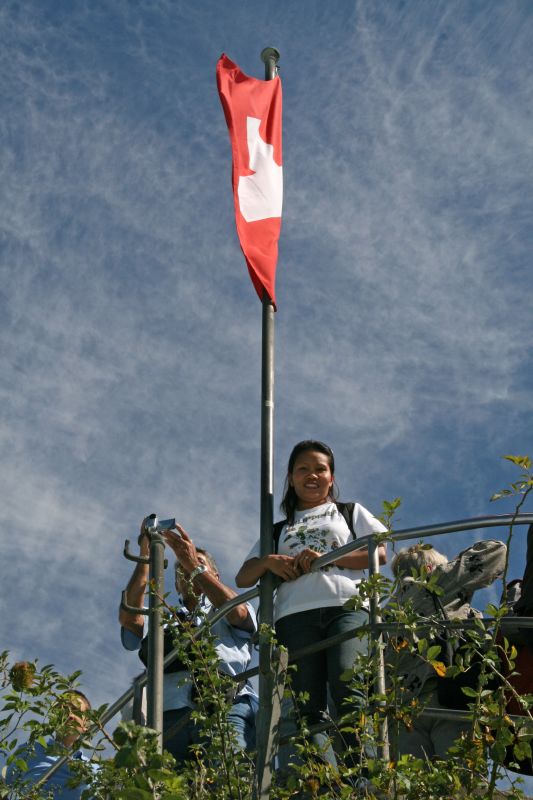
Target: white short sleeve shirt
<point x="322" y="529"/>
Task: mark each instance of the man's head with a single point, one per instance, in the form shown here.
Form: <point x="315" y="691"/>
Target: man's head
<point x="418" y="556"/>
<point x="183" y="584"/>
<point x="73" y="707"/>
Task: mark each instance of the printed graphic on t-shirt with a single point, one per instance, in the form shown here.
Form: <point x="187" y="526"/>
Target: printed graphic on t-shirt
<point x="321" y="538"/>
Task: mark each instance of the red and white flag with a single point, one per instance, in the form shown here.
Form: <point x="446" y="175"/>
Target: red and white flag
<point x="253" y="112"/>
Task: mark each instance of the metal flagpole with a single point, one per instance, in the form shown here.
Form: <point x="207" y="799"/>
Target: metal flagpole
<point x="270" y="57"/>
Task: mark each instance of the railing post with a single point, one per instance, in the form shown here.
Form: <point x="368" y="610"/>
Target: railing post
<point x="377" y="644"/>
<point x="154" y="692"/>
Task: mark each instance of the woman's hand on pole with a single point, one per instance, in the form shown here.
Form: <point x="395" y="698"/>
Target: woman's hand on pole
<point x="284" y="567"/>
<point x="304" y="560"/>
<point x="254" y="568"/>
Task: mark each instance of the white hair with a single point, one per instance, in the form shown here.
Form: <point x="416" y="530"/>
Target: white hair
<point x="415" y="557"/>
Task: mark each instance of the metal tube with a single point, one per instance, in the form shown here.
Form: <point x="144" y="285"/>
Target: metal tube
<point x="471" y="524"/>
<point x="270" y="57"/>
<point x="475" y="523"/>
<point x="377" y="644"/>
<point x="154" y="692"/>
<point x="267" y="459"/>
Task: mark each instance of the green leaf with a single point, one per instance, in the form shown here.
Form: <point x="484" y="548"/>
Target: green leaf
<point x="520" y="461"/>
<point x="347" y="675"/>
<point x="499" y="495"/>
<point x="433" y="652"/>
<point x="522" y="750"/>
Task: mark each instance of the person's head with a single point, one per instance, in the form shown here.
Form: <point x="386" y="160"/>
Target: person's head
<point x="73" y="708"/>
<point x="310" y="477"/>
<point x="418" y="556"/>
<point x="184" y="585"/>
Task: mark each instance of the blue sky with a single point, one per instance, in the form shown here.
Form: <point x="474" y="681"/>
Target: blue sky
<point x="131" y="332"/>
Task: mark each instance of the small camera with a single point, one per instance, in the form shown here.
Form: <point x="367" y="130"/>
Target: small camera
<point x="154" y="525"/>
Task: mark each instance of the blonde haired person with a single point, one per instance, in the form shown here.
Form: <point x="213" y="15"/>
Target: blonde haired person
<point x="474" y="568"/>
<point x="416" y="557"/>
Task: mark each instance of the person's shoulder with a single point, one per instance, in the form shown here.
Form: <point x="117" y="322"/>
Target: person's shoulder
<point x="365" y="520"/>
<point x="38" y="760"/>
<point x="477" y="552"/>
<point x="359" y="508"/>
<point x="254" y="551"/>
<point x="224" y="630"/>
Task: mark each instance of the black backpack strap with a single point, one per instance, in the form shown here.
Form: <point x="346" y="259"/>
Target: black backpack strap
<point x="276" y="533"/>
<point x="346" y="511"/>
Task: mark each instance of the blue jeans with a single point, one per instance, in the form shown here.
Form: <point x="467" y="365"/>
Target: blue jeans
<point x="321" y="670"/>
<point x="241" y="717"/>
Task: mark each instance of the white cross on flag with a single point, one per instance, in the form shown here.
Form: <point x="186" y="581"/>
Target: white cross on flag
<point x="253" y="113"/>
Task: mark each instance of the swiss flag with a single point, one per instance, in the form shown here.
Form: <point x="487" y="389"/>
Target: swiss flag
<point x="253" y="112"/>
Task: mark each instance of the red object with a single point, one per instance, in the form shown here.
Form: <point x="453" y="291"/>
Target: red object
<point x="253" y="113"/>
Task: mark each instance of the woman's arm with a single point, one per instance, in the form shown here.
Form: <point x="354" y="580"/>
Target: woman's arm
<point x="254" y="569"/>
<point x="356" y="560"/>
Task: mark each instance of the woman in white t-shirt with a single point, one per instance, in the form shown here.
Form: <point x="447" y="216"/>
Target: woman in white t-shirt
<point x="309" y="606"/>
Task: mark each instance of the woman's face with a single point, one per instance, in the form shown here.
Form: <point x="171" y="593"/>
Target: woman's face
<point x="311" y="478"/>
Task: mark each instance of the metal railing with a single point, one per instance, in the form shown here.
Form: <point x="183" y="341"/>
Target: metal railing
<point x="375" y="627"/>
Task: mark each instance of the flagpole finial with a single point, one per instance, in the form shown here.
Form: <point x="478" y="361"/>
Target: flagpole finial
<point x="270" y="57"/>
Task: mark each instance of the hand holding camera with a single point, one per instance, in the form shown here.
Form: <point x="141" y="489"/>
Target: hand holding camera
<point x="175" y="537"/>
<point x="150" y="525"/>
<point x="183" y="548"/>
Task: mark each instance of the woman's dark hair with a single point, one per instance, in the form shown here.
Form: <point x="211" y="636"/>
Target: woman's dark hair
<point x="288" y="504"/>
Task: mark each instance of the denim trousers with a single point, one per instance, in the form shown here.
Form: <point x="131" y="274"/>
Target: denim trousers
<point x="321" y="671"/>
<point x="241" y="717"/>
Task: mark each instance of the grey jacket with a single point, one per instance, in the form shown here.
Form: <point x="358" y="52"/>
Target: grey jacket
<point x="475" y="568"/>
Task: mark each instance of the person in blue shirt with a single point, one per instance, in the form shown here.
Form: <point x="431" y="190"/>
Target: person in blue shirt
<point x="199" y="585"/>
<point x="39" y="759"/>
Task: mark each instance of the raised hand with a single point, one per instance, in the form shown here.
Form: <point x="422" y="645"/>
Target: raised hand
<point x="183" y="548"/>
